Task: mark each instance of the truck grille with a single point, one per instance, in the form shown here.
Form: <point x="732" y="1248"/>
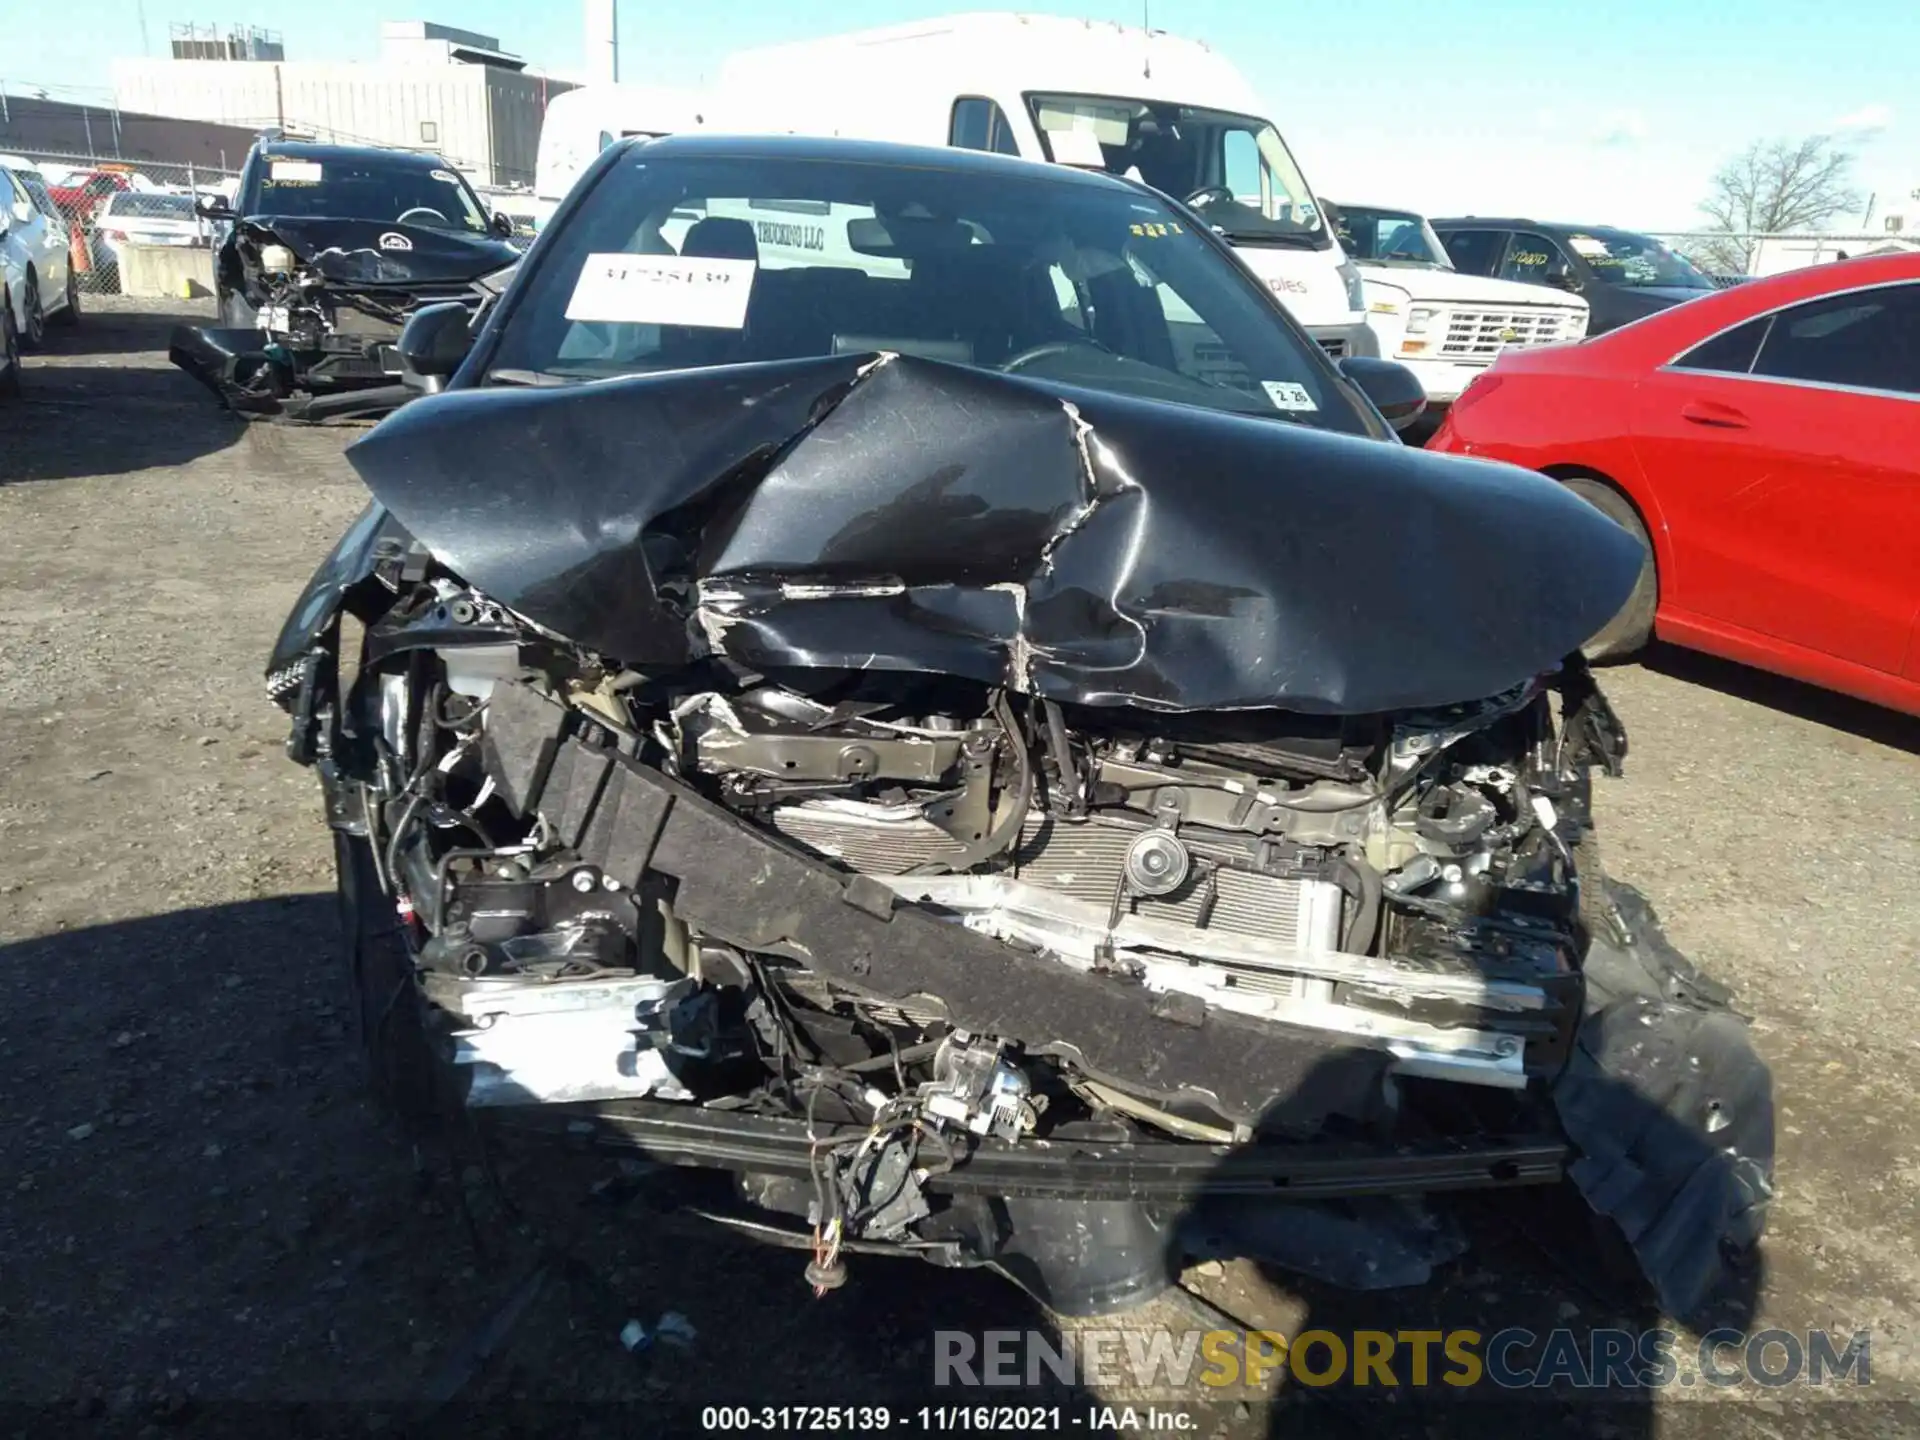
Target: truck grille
<point x="1483" y="334"/>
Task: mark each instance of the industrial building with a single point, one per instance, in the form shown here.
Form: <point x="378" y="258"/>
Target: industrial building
<point x="432" y="88"/>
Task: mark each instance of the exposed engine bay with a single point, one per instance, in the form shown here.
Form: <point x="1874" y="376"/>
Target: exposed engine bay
<point x="321" y="305"/>
<point x="963" y="958"/>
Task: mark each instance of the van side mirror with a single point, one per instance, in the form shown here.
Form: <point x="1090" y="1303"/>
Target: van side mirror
<point x="1565" y="280"/>
<point x="213" y="207"/>
<point x="433" y="344"/>
<point x="1396" y="392"/>
<point x="503" y="224"/>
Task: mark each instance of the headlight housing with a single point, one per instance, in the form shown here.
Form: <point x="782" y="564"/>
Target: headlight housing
<point x="276" y="259"/>
<point x="1419" y="317"/>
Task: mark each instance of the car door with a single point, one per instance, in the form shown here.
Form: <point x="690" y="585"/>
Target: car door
<point x="46" y="241"/>
<point x="1784" y="455"/>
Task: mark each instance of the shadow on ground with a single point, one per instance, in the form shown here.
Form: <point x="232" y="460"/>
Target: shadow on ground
<point x="204" y="1210"/>
<point x="96" y="401"/>
<point x="1792" y="697"/>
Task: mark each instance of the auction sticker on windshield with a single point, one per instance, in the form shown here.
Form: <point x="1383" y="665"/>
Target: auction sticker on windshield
<point x="1287" y="395"/>
<point x="294" y="172"/>
<point x="663" y="290"/>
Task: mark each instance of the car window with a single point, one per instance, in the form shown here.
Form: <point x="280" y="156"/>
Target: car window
<point x="131" y="204"/>
<point x="1535" y="259"/>
<point x="14" y="192"/>
<point x="980" y="124"/>
<point x="1109" y="289"/>
<point x="41" y="199"/>
<point x="1731" y="352"/>
<point x="1476" y="252"/>
<point x="1868" y="339"/>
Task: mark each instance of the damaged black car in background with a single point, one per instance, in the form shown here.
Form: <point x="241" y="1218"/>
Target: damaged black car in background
<point x="956" y="715"/>
<point x="325" y="254"/>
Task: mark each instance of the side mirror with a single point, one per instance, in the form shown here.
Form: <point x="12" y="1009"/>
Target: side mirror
<point x="213" y="207"/>
<point x="23" y="212"/>
<point x="432" y="344"/>
<point x="1395" y="390"/>
<point x="503" y="224"/>
<point x="1566" y="280"/>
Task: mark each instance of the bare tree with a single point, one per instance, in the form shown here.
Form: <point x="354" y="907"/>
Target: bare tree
<point x="1772" y="187"/>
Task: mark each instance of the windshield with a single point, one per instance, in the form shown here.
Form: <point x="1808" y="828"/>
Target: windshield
<point x="1233" y="169"/>
<point x="1638" y="262"/>
<point x="680" y="262"/>
<point x="1388" y="237"/>
<point x="132" y="205"/>
<point x="365" y="189"/>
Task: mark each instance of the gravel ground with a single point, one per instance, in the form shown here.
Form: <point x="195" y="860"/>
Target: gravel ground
<point x="201" y="1210"/>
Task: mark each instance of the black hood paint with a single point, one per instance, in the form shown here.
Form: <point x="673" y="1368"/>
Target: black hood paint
<point x="901" y="514"/>
<point x="1611" y="306"/>
<point x="349" y="252"/>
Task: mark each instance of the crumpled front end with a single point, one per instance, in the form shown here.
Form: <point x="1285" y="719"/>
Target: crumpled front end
<point x="326" y="321"/>
<point x="977" y="816"/>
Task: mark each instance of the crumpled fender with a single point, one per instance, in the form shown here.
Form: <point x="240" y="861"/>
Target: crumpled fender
<point x="233" y="364"/>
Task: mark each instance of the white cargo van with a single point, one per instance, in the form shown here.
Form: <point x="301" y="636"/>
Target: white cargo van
<point x="1141" y="102"/>
<point x="579" y="124"/>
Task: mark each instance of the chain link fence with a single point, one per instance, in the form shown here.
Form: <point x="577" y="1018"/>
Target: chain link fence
<point x="102" y="206"/>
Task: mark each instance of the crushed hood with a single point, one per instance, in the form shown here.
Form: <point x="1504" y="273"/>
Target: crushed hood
<point x="350" y="252"/>
<point x="862" y="512"/>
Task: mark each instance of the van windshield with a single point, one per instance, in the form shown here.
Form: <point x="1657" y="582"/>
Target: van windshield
<point x="682" y="262"/>
<point x="1234" y="169"/>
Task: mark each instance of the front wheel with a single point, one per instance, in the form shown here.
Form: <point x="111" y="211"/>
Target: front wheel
<point x="69" y="315"/>
<point x="9" y="351"/>
<point x="1628" y="632"/>
<point x="34" y="333"/>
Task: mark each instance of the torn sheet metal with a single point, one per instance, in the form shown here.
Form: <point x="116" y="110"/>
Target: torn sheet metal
<point x="902" y="514"/>
<point x="1671" y="1109"/>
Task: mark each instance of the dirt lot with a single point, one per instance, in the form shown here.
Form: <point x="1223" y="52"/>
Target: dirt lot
<point x="199" y="1209"/>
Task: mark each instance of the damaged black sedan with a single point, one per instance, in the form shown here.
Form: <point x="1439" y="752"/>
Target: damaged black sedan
<point x="325" y="254"/>
<point x="905" y="678"/>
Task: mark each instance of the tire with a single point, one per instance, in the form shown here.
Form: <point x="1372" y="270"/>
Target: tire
<point x="9" y="352"/>
<point x="69" y="314"/>
<point x="388" y="1008"/>
<point x="34" y="334"/>
<point x="1629" y="631"/>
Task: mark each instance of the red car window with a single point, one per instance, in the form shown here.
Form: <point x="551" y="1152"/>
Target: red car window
<point x="1867" y="339"/>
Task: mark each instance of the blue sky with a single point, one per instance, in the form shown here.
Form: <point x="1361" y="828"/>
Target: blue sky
<point x="1608" y="113"/>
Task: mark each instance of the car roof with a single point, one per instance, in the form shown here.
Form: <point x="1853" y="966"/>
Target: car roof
<point x="312" y="150"/>
<point x="1519" y="222"/>
<point x="874" y="152"/>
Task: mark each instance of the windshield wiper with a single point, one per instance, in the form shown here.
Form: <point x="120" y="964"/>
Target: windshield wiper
<point x="1292" y="240"/>
<point x="535" y="379"/>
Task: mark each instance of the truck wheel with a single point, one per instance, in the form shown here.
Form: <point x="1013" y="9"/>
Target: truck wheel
<point x="1628" y="632"/>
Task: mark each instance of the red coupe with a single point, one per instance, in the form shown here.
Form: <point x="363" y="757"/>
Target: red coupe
<point x="1764" y="441"/>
